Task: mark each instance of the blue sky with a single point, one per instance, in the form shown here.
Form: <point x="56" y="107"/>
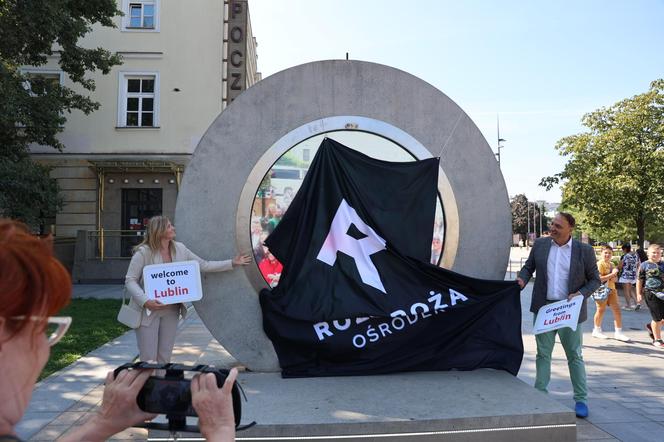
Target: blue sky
<point x="539" y="65"/>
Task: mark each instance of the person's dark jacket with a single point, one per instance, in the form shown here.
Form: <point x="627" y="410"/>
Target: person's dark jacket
<point x="583" y="273"/>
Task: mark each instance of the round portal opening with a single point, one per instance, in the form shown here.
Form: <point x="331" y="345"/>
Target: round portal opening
<point x="282" y="181"/>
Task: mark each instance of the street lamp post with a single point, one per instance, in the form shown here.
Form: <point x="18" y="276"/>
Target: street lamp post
<point x="541" y="215"/>
<point x="528" y="218"/>
<point x="534" y="222"/>
<point x="500" y="140"/>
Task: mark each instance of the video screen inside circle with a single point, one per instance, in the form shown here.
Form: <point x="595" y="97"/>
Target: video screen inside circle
<point x="283" y="180"/>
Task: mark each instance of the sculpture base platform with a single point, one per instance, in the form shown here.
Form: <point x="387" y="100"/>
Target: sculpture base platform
<point x="482" y="405"/>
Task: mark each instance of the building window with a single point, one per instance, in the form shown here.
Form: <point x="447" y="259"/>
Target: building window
<point x="140" y="15"/>
<point x="139" y="100"/>
<point x="306" y="155"/>
<point x="38" y="81"/>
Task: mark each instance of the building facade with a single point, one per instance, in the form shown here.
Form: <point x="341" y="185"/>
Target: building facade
<point x="183" y="63"/>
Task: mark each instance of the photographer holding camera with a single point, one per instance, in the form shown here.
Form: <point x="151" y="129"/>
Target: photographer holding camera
<point x="119" y="409"/>
<point x="34" y="286"/>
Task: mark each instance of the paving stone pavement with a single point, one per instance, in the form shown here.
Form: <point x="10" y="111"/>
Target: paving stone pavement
<point x="625" y="380"/>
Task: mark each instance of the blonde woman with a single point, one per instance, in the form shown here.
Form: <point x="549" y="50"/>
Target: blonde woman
<point x="608" y="274"/>
<point x="156" y="334"/>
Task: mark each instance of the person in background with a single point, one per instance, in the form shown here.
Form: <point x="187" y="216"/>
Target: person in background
<point x="270" y="221"/>
<point x="643" y="256"/>
<point x="436" y="249"/>
<point x="275" y="219"/>
<point x="629" y="269"/>
<point x="650" y="287"/>
<point x="608" y="275"/>
<point x="565" y="269"/>
<point x="270" y="268"/>
<point x="256" y="231"/>
<point x="259" y="248"/>
<point x="156" y="334"/>
<point x="288" y="198"/>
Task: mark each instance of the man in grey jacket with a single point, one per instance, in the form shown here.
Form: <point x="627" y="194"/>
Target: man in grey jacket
<point x="565" y="268"/>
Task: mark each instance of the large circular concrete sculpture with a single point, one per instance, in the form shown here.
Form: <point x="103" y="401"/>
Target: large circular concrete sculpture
<point x="214" y="205"/>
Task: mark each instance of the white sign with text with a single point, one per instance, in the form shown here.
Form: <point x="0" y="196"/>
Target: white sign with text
<point x="174" y="282"/>
<point x="558" y="315"/>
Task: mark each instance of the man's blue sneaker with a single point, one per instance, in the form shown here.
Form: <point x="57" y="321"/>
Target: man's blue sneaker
<point x="581" y="409"/>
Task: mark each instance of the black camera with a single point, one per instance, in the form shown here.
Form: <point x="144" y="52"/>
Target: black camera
<point x="171" y="394"/>
<point x="166" y="396"/>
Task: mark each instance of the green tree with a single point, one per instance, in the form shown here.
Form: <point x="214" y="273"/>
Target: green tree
<point x="615" y="169"/>
<point x="290" y="159"/>
<point x="32" y="109"/>
<point x="28" y="193"/>
<point x="522" y="216"/>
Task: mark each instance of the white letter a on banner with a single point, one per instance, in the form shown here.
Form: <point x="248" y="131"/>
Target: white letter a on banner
<point x="359" y="249"/>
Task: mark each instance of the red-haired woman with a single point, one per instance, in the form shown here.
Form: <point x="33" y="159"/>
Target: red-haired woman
<point x="33" y="287"/>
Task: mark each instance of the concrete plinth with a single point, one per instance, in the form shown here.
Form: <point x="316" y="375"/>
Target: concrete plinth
<point x="482" y="405"/>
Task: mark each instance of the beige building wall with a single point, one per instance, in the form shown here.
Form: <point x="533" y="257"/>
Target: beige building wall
<point x="186" y="53"/>
<point x="253" y="76"/>
<point x="79" y="193"/>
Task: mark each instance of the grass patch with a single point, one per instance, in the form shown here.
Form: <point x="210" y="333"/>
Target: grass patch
<point x="94" y="324"/>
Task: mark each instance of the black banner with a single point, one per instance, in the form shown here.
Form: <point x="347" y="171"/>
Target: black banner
<point x="357" y="294"/>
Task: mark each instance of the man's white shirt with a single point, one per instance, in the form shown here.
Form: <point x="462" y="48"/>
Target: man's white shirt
<point x="557" y="268"/>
